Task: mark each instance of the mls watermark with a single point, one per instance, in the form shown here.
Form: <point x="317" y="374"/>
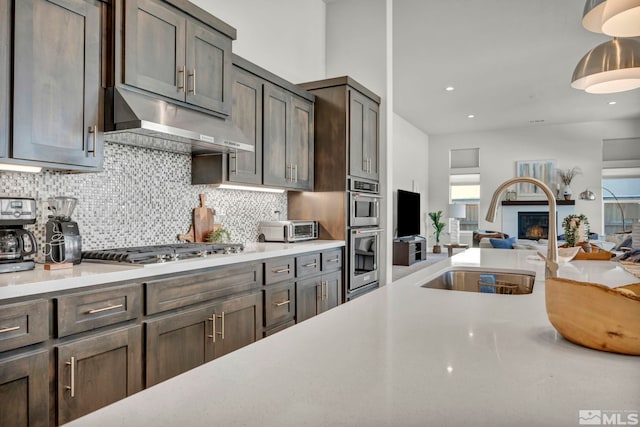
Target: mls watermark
<point x="600" y="417"/>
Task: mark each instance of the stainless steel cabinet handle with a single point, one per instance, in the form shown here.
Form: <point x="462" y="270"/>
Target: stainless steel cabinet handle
<point x="193" y="79"/>
<point x="213" y="319"/>
<point x="234" y="156"/>
<point x="221" y="326"/>
<point x="100" y="310"/>
<point x="72" y="387"/>
<point x="94" y="130"/>
<point x="296" y="174"/>
<point x="334" y="259"/>
<point x="312" y="264"/>
<point x="365" y="165"/>
<point x="12" y="328"/>
<point x="182" y="70"/>
<point x="282" y="270"/>
<point x="280" y="304"/>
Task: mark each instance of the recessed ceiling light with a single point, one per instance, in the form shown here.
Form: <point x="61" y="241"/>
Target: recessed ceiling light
<point x="449" y="88"/>
<point x="612" y="102"/>
<point x="470" y="116"/>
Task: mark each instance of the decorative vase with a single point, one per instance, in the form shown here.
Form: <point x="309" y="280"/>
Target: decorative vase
<point x="437" y="249"/>
<point x="567" y="192"/>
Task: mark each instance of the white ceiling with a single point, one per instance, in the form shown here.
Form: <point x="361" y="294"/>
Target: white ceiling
<point x="510" y="62"/>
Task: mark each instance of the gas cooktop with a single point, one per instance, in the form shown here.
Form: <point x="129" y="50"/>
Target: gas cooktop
<point x="161" y="253"/>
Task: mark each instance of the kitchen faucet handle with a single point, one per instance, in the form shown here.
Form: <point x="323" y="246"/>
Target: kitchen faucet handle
<point x="552" y="266"/>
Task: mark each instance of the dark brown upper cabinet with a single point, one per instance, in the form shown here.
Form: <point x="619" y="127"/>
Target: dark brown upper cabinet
<point x="288" y="139"/>
<point x="347" y="136"/>
<point x="57" y="102"/>
<point x="171" y="54"/>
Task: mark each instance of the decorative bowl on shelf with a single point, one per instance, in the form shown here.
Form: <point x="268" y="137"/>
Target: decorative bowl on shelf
<point x="595" y="316"/>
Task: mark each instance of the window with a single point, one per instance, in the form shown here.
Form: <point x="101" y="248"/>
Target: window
<point x="465" y="189"/>
<point x="625" y="202"/>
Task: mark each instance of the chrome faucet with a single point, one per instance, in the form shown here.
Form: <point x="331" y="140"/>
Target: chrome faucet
<point x="551" y="260"/>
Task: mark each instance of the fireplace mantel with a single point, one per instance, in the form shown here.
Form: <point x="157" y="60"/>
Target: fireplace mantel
<point x="536" y="202"/>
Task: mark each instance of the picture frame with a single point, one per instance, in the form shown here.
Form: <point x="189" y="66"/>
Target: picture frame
<point x="544" y="170"/>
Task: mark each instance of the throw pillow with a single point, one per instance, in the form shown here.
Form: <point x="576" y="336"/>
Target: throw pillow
<point x="503" y="243"/>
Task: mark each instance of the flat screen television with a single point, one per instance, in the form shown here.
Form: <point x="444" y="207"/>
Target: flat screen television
<point x="408" y="214"/>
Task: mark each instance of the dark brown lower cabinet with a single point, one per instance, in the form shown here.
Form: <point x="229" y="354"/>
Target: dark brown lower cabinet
<point x="98" y="370"/>
<point x="317" y="295"/>
<point x="24" y="390"/>
<point x="181" y="341"/>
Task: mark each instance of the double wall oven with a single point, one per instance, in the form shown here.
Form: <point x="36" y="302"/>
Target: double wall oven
<point x="363" y="237"/>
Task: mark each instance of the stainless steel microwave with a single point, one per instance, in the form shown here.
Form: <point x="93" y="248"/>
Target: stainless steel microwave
<point x="288" y="231"/>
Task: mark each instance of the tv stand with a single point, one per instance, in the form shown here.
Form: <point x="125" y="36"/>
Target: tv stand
<point x="409" y="250"/>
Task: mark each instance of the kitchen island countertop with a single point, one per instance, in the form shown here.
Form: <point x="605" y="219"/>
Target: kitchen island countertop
<point x="88" y="273"/>
<point x="405" y="355"/>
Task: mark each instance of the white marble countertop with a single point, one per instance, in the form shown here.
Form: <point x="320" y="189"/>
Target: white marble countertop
<point x="405" y="355"/>
<point x="88" y="273"/>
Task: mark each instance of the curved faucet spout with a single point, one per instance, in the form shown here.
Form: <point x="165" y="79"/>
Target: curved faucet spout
<point x="551" y="260"/>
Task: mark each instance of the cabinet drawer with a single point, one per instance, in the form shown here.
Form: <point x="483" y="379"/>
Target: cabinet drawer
<point x="279" y="270"/>
<point x="279" y="328"/>
<point x="332" y="260"/>
<point x="307" y="265"/>
<point x="91" y="310"/>
<point x="23" y="324"/>
<point x="279" y="303"/>
<point x="186" y="289"/>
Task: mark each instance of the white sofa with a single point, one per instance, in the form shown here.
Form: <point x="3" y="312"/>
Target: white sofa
<point x="541" y="245"/>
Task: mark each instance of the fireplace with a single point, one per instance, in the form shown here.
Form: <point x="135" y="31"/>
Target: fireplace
<point x="533" y="225"/>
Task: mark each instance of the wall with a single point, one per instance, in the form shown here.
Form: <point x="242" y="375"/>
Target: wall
<point x="286" y="37"/>
<point x="410" y="171"/>
<point x="358" y="44"/>
<point x="575" y="144"/>
<point x="142" y="197"/>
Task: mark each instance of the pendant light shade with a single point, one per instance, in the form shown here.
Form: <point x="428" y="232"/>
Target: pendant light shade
<point x="621" y="18"/>
<point x="592" y="15"/>
<point x="613" y="66"/>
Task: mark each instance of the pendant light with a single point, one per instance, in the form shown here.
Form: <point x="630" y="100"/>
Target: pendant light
<point x="592" y="15"/>
<point x="621" y="18"/>
<point x="610" y="67"/>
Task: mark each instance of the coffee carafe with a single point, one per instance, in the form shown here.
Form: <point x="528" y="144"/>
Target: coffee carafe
<point x="16" y="243"/>
<point x="64" y="243"/>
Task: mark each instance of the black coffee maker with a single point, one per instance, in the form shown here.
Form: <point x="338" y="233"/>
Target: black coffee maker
<point x="64" y="243"/>
<point x="16" y="243"/>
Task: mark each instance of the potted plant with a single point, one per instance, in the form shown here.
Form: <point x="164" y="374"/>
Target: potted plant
<point x="576" y="231"/>
<point x="566" y="176"/>
<point x="438" y="226"/>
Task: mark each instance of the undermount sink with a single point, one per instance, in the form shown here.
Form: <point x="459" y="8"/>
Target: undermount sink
<point x="484" y="282"/>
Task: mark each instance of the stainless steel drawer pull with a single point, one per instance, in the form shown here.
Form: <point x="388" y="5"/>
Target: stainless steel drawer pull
<point x="94" y="130"/>
<point x="72" y="387"/>
<point x="100" y="310"/>
<point x="221" y="326"/>
<point x="280" y="304"/>
<point x="312" y="264"/>
<point x="213" y="319"/>
<point x="13" y="328"/>
<point x="334" y="259"/>
<point x="193" y="75"/>
<point x="282" y="270"/>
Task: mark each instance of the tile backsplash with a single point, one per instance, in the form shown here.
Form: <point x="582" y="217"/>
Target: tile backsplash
<point x="142" y="197"/>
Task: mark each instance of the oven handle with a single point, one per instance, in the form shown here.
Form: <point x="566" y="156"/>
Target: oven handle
<point x="360" y="194"/>
<point x="366" y="231"/>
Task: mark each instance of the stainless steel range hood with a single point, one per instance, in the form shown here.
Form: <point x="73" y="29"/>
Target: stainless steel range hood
<point x="138" y="119"/>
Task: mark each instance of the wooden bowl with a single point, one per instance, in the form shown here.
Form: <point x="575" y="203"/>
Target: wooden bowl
<point x="594" y="315"/>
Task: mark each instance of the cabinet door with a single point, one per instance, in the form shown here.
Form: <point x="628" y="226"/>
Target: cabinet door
<point x="276" y="115"/>
<point x="154" y="50"/>
<point x="307" y="298"/>
<point x="247" y="115"/>
<point x="363" y="136"/>
<point x="208" y="68"/>
<point x="330" y="292"/>
<point x="300" y="146"/>
<point x="96" y="371"/>
<point x="239" y="322"/>
<point x="57" y="84"/>
<point x="5" y="76"/>
<point x="24" y="390"/>
<point x="179" y="342"/>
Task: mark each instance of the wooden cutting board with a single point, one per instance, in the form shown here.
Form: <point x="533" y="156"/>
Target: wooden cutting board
<point x="202" y="221"/>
